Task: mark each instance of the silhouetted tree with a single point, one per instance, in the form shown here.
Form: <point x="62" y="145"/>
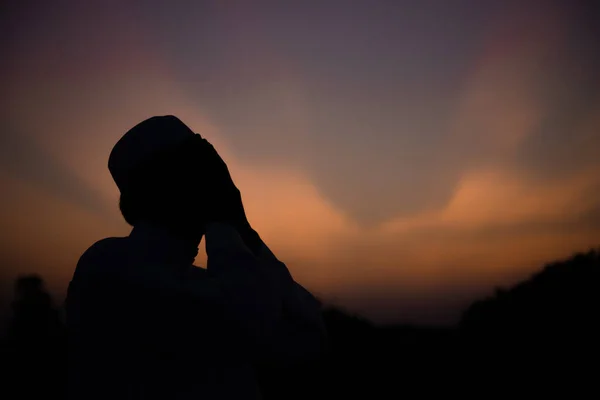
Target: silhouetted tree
<point x="36" y="342"/>
<point x="545" y="327"/>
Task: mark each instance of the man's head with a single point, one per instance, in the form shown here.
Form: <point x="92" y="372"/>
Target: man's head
<point x="157" y="166"/>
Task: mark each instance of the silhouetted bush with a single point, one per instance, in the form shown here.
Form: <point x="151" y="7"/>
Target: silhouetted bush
<point x="543" y="330"/>
<point x="35" y="345"/>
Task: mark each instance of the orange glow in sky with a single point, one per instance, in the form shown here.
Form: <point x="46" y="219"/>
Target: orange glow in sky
<point x="73" y="87"/>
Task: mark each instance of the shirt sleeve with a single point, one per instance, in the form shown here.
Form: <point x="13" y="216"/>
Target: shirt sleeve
<point x="249" y="294"/>
<point x="300" y="334"/>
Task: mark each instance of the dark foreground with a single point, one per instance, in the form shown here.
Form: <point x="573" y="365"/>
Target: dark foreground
<point x="539" y="338"/>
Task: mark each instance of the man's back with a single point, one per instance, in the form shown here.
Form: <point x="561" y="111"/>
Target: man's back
<point x="133" y="334"/>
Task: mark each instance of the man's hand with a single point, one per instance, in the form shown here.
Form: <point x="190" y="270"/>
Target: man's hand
<point x="223" y="198"/>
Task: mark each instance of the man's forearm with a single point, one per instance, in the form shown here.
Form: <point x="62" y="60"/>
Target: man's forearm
<point x="251" y="238"/>
<point x="252" y="297"/>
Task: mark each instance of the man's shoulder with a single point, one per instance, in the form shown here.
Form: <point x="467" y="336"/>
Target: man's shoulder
<point x="103" y="252"/>
<point x="102" y="248"/>
<point x="95" y="267"/>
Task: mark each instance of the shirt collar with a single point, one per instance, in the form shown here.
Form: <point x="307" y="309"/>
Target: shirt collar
<point x="161" y="245"/>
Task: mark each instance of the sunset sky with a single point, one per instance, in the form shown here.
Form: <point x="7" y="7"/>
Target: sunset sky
<point x="402" y="157"/>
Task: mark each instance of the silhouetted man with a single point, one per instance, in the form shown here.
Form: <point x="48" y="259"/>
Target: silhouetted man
<point x="143" y="321"/>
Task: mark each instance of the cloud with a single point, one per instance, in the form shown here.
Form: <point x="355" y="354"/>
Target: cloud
<point x="497" y="198"/>
<point x="406" y="119"/>
<point x="26" y="159"/>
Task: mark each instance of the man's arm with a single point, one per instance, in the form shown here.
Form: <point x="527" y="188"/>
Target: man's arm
<point x="251" y="297"/>
<point x="300" y="333"/>
<point x="295" y="315"/>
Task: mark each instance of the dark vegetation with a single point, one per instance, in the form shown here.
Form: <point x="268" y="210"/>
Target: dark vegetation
<point x="539" y="337"/>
